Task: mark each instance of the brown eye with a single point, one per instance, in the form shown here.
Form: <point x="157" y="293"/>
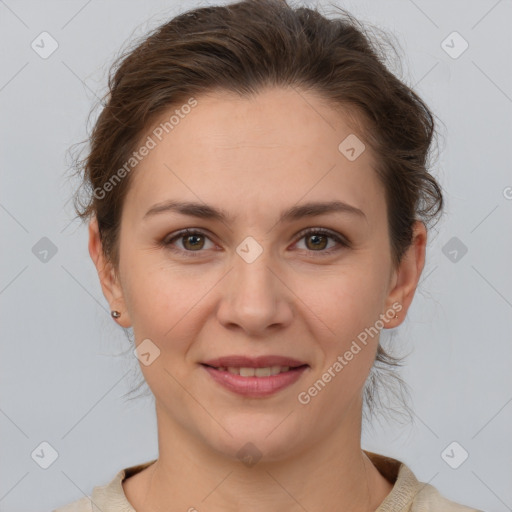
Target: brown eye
<point x="191" y="242"/>
<point x="188" y="242"/>
<point x="318" y="241"/>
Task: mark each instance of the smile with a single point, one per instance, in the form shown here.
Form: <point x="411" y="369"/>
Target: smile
<point x="255" y="382"/>
<point x="254" y="372"/>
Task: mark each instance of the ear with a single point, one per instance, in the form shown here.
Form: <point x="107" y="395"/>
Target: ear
<point x="108" y="276"/>
<point x="405" y="278"/>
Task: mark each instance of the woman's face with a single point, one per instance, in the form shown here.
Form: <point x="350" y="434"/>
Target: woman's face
<point x="255" y="284"/>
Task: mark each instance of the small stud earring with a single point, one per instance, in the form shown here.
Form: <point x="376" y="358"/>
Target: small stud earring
<point x="115" y="314"/>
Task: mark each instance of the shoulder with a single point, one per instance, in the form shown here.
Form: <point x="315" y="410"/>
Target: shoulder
<point x="409" y="494"/>
<point x="82" y="505"/>
<point x="106" y="498"/>
<point x="428" y="499"/>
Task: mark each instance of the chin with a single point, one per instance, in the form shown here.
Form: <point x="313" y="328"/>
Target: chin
<point x="255" y="440"/>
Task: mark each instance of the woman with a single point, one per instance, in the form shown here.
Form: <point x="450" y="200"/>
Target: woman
<point x="259" y="201"/>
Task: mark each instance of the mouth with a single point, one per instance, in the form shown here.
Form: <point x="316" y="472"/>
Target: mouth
<point x="265" y="371"/>
<point x="250" y="378"/>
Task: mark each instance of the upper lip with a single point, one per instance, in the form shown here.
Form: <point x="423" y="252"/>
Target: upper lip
<point x="239" y="361"/>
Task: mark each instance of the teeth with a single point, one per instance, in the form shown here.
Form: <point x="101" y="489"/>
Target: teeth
<point x="247" y="372"/>
<point x="274" y="370"/>
<point x="255" y="372"/>
<point x="263" y="372"/>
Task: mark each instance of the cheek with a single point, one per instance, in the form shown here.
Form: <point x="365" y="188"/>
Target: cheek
<point x="349" y="300"/>
<point x="350" y="308"/>
<point x="166" y="306"/>
<point x="157" y="303"/>
<point x="350" y="305"/>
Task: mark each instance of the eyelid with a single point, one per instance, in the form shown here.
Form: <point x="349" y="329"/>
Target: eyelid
<point x="342" y="240"/>
<point x="169" y="240"/>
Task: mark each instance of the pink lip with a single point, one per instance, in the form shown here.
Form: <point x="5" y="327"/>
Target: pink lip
<point x="256" y="387"/>
<point x="239" y="361"/>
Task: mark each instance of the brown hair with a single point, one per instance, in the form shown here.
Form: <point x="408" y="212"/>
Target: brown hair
<point x="242" y="48"/>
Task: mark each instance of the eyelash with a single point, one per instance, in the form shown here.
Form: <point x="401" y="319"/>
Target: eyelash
<point x="344" y="242"/>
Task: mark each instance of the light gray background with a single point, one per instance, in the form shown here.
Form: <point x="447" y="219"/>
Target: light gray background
<point x="61" y="380"/>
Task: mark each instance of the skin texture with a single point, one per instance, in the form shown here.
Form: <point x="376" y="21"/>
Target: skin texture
<point x="255" y="158"/>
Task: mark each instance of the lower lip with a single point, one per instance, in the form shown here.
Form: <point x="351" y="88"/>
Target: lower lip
<point x="256" y="387"/>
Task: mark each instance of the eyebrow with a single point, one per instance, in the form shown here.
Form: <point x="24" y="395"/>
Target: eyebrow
<point x="204" y="211"/>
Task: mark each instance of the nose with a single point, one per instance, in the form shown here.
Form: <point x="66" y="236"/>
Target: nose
<point x="255" y="298"/>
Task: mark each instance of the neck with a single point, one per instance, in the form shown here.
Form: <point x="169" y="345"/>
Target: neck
<point x="333" y="474"/>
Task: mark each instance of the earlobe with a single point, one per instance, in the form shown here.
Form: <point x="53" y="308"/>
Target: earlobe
<point x="108" y="277"/>
<point x="408" y="274"/>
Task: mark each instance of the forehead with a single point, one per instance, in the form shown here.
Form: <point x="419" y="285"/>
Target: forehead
<point x="275" y="147"/>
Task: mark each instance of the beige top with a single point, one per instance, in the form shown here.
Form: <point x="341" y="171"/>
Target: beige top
<point x="407" y="495"/>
